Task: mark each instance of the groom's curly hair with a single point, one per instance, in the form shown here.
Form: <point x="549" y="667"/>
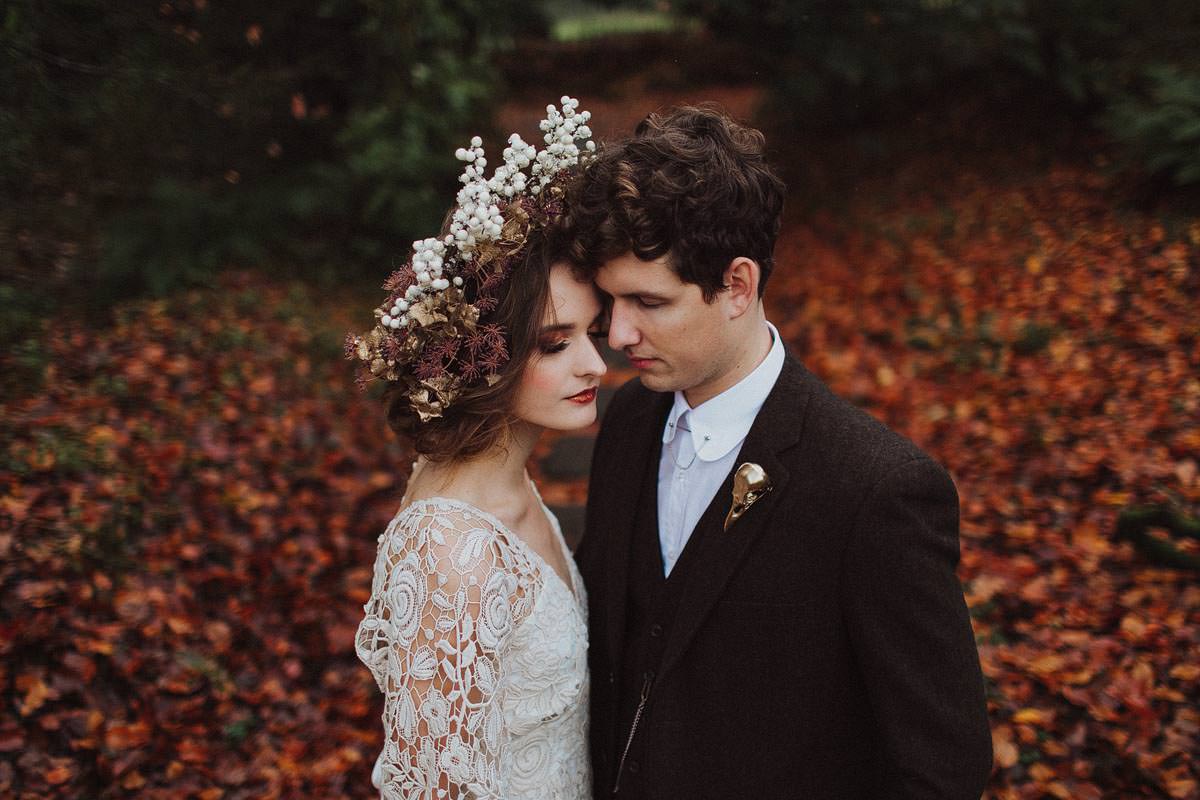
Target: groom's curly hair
<point x="690" y="183"/>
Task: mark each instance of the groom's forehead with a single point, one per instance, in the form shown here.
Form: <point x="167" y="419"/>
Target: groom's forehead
<point x="629" y="274"/>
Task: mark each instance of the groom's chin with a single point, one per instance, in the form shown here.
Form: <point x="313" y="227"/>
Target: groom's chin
<point x="656" y="383"/>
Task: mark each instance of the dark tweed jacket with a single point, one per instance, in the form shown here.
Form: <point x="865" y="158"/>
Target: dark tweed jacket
<point x="822" y="647"/>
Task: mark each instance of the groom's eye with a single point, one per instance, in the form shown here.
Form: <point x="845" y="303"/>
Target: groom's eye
<point x="645" y="302"/>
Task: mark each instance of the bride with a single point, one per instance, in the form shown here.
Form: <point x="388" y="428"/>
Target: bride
<point x="476" y="627"/>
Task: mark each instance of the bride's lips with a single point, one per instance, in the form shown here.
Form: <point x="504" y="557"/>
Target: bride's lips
<point x="584" y="397"/>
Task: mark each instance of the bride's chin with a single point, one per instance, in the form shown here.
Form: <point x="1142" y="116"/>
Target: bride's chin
<point x="578" y="422"/>
<point x="569" y="420"/>
<point x="573" y="421"/>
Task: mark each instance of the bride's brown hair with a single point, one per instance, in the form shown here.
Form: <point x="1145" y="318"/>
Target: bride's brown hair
<point x="480" y="417"/>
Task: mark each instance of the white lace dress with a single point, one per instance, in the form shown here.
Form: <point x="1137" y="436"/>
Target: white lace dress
<point x="480" y="650"/>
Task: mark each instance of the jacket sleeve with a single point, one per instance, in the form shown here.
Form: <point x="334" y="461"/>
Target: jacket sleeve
<point x="912" y="635"/>
<point x="443" y="603"/>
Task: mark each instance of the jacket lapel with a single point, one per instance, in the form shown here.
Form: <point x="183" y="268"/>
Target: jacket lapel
<point x="640" y="446"/>
<point x="778" y="426"/>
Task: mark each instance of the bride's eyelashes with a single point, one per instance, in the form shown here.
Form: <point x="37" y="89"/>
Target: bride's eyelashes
<point x="559" y="345"/>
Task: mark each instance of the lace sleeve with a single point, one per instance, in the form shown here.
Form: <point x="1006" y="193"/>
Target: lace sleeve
<point x="446" y="595"/>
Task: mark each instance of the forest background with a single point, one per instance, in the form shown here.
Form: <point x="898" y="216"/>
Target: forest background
<point x="992" y="243"/>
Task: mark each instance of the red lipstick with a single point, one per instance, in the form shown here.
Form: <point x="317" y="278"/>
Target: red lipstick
<point x="584" y="397"/>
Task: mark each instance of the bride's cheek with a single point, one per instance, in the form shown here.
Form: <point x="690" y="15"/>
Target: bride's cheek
<point x="551" y="382"/>
<point x="540" y="382"/>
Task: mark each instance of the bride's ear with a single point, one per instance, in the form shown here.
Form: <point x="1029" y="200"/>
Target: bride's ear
<point x="741" y="281"/>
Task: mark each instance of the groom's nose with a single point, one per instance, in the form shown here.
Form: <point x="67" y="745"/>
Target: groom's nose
<point x="622" y="332"/>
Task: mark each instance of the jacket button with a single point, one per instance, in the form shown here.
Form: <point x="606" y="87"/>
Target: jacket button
<point x="656" y="630"/>
<point x="612" y="678"/>
<point x="633" y="767"/>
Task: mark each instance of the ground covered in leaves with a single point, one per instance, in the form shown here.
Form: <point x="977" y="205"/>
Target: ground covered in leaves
<point x="1046" y="348"/>
<point x="189" y="503"/>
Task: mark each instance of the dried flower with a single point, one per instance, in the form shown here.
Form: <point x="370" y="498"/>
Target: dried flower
<point x="427" y="335"/>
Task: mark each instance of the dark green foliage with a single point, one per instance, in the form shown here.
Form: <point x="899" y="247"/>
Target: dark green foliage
<point x="1160" y="126"/>
<point x="1134" y="525"/>
<point x="145" y="146"/>
<point x="1033" y="338"/>
<point x="1136" y="65"/>
<point x="838" y="62"/>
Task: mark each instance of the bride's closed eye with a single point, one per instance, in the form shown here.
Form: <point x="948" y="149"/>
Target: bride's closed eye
<point x="556" y="346"/>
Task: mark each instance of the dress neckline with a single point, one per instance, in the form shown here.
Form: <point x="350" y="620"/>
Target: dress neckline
<point x="567" y="583"/>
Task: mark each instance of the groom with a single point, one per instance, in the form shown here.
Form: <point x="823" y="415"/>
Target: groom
<point x="815" y="643"/>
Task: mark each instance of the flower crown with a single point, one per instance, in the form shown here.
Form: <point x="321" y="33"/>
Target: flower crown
<point x="428" y="336"/>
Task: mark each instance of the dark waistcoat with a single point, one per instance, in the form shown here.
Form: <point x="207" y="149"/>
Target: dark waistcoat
<point x="650" y="615"/>
<point x="652" y="605"/>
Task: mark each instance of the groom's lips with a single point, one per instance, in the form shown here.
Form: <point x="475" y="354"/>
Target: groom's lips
<point x="641" y="363"/>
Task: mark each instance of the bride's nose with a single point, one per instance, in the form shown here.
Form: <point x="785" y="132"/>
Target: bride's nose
<point x="591" y="362"/>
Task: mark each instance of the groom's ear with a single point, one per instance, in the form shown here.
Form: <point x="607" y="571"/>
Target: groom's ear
<point x="741" y="280"/>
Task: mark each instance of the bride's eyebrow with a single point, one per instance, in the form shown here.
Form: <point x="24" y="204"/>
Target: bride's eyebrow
<point x="561" y="327"/>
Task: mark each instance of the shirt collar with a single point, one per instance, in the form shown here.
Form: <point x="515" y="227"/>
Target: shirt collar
<point x="726" y="419"/>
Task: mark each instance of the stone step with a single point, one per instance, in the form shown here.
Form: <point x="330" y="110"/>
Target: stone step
<point x="569" y="458"/>
<point x="570" y="519"/>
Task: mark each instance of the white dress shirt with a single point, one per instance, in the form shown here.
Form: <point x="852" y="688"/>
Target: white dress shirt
<point x="700" y="446"/>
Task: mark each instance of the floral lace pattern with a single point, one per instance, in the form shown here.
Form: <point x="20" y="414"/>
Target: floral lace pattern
<point x="480" y="650"/>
